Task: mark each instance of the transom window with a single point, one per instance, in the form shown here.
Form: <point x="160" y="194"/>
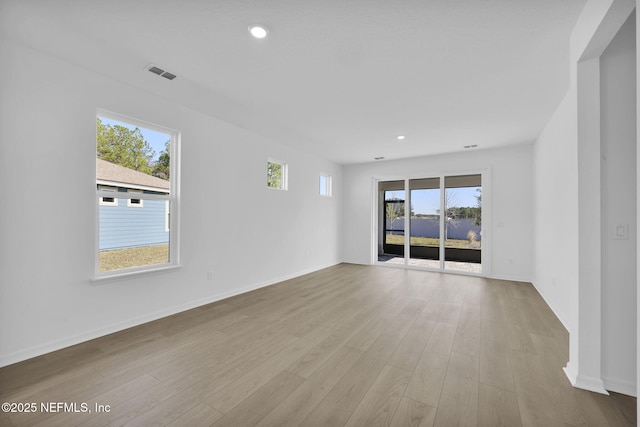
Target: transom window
<point x="276" y="174"/>
<point x="325" y="185"/>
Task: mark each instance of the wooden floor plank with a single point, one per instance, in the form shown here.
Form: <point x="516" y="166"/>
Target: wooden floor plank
<point x="264" y="400"/>
<point x="336" y="408"/>
<point x="495" y="368"/>
<point x="228" y="397"/>
<point x="316" y="356"/>
<point x="347" y="345"/>
<point x="428" y="377"/>
<point x="459" y="400"/>
<point x="165" y="412"/>
<point x="297" y="407"/>
<point x="379" y="404"/>
<point x="114" y="397"/>
<point x="441" y="339"/>
<point x="200" y="415"/>
<point x="618" y="409"/>
<point x="467" y="339"/>
<point x="408" y="353"/>
<point x="533" y="391"/>
<point x="411" y="413"/>
<point x="497" y="407"/>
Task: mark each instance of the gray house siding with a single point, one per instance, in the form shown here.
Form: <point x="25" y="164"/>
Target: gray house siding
<point x="123" y="226"/>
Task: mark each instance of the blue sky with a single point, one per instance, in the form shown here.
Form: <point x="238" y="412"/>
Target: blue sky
<point x="155" y="139"/>
<point x="428" y="201"/>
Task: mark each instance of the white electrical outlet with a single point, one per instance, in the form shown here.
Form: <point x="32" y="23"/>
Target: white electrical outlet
<point x="209" y="275"/>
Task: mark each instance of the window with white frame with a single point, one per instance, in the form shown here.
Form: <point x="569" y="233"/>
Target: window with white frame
<point x="135" y="203"/>
<point x="142" y="160"/>
<point x="325" y="185"/>
<point x="108" y="200"/>
<point x="276" y="174"/>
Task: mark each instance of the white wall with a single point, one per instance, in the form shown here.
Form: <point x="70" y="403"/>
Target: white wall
<point x="47" y="167"/>
<point x="556" y="200"/>
<point x="509" y="193"/>
<point x="568" y="180"/>
<point x="618" y="178"/>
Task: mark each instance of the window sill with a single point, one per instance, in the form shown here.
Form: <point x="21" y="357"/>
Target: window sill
<point x="126" y="274"/>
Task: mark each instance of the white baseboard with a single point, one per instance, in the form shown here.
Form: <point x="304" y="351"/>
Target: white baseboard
<point x="511" y="278"/>
<point x="357" y="261"/>
<point x="570" y="373"/>
<point x="584" y="382"/>
<point x="40" y="349"/>
<point x="620" y="386"/>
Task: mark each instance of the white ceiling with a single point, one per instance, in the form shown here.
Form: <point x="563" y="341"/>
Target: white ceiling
<point x="338" y="78"/>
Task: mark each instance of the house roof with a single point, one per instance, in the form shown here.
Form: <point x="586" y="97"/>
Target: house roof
<point x="106" y="171"/>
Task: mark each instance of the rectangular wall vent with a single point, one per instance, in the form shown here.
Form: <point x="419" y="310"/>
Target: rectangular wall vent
<point x="159" y="71"/>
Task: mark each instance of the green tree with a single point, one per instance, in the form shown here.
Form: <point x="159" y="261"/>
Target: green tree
<point x="394" y="208"/>
<point x="125" y="147"/>
<point x="274" y="175"/>
<point x="478" y="210"/>
<point x="161" y="167"/>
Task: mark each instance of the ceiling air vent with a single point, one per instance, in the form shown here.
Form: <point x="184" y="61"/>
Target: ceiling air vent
<point x="159" y="71"/>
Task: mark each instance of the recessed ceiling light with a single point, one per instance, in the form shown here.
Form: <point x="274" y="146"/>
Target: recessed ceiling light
<point x="401" y="137"/>
<point x="258" y="32"/>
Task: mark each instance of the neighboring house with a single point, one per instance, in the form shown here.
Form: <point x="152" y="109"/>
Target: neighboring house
<point x="131" y="222"/>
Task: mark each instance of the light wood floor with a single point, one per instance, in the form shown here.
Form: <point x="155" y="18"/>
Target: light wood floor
<point x="349" y="345"/>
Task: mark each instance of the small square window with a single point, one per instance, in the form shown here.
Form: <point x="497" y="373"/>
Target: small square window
<point x="325" y="185"/>
<point x="135" y="203"/>
<point x="108" y="201"/>
<point x="276" y="175"/>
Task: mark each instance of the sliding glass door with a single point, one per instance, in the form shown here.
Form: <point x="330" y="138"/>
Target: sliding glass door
<point x="425" y="222"/>
<point x="391" y="236"/>
<point x="443" y="229"/>
<point x="463" y="233"/>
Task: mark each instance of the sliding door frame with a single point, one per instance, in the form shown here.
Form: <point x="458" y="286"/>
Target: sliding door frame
<point x="377" y="201"/>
